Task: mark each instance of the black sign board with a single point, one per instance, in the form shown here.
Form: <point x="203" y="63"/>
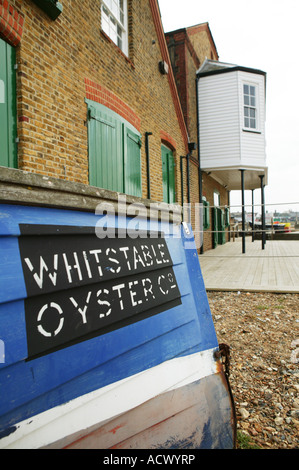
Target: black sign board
<point x="80" y="286"/>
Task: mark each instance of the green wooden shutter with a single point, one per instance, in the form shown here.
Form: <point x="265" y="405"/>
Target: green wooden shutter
<point x="221" y="228"/>
<point x="168" y="175"/>
<point x="164" y="173"/>
<point x="132" y="163"/>
<point x="218" y="226"/>
<point x="215" y="226"/>
<point x="8" y="106"/>
<point x="105" y="151"/>
<point x="227" y="218"/>
<point x="114" y="151"/>
<point x="171" y="179"/>
<point x="206" y="215"/>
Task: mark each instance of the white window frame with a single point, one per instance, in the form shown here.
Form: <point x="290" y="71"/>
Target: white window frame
<point x="216" y="198"/>
<point x="115" y="22"/>
<point x="250" y="103"/>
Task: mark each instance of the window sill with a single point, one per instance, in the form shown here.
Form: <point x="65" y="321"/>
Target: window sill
<point x="117" y="48"/>
<point x="252" y="131"/>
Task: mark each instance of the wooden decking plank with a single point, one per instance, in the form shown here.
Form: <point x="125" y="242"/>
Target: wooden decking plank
<point x="276" y="268"/>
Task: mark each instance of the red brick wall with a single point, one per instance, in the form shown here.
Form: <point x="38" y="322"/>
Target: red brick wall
<point x="63" y="62"/>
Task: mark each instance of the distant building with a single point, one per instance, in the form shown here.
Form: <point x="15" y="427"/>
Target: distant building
<point x="225" y="116"/>
<point x="231" y="102"/>
<point x="102" y="97"/>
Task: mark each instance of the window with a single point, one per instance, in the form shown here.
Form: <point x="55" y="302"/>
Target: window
<point x="216" y="198"/>
<point x="168" y="176"/>
<point x="114" y="22"/>
<point x="114" y="151"/>
<point x="250" y="110"/>
<point x="8" y="106"/>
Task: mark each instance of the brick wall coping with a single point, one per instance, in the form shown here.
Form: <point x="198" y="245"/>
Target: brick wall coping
<point x="25" y="188"/>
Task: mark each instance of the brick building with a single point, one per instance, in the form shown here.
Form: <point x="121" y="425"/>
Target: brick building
<point x="90" y="95"/>
<point x="100" y="333"/>
<point x="101" y="96"/>
<point x="188" y="49"/>
<point x="224" y="111"/>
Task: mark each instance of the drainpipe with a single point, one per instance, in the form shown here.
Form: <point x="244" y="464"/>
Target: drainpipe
<point x="182" y="181"/>
<point x="252" y="213"/>
<point x="188" y="177"/>
<point x="198" y="154"/>
<point x="188" y="184"/>
<point x="148" y="164"/>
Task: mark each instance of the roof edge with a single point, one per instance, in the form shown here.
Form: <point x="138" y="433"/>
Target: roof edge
<point x="154" y="5"/>
<point x="204" y="26"/>
<point x="210" y="67"/>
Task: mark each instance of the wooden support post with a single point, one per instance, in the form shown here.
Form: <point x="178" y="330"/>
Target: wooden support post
<point x="243" y="211"/>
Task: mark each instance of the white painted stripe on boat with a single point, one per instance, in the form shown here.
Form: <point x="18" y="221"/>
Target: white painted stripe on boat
<point x="110" y="401"/>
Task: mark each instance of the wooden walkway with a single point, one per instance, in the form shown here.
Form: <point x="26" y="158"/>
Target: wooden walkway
<point x="274" y="269"/>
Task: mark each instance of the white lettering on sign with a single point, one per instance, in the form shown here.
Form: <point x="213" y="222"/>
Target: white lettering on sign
<point x="91" y="264"/>
<point x="2" y="92"/>
<point x="113" y="270"/>
<point x="82" y="312"/>
<point x="140" y="291"/>
<point x="148" y="259"/>
<point x="124" y="250"/>
<point x="87" y="265"/>
<point x="39" y="278"/>
<point x="104" y="302"/>
<point x="147" y="290"/>
<point x="39" y="319"/>
<point x="69" y="268"/>
<point x="79" y="287"/>
<point x="118" y="287"/>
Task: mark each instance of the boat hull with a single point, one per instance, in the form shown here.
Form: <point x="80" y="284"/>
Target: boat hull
<point x="177" y="419"/>
<point x="106" y="351"/>
<point x="181" y="404"/>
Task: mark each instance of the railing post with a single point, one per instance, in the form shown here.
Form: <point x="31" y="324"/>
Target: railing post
<point x="263" y="212"/>
<point x="252" y="213"/>
<point x="243" y="211"/>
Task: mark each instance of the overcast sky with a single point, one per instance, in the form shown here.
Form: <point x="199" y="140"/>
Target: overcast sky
<point x="261" y="34"/>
